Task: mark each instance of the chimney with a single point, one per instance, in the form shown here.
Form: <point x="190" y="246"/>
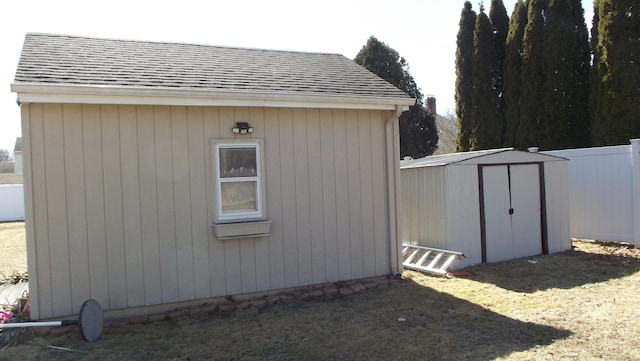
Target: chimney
<point x="431" y="104"/>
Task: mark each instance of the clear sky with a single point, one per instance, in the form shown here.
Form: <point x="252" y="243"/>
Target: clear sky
<point x="422" y="31"/>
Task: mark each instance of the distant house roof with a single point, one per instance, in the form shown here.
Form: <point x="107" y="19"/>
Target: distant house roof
<point x="18" y="146"/>
<point x="501" y="155"/>
<point x="60" y="64"/>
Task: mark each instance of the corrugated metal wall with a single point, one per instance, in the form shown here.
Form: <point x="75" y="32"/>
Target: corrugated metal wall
<point x="423" y="206"/>
<point x="436" y="201"/>
<point x="557" y="182"/>
<point x="463" y="212"/>
<point x="119" y="203"/>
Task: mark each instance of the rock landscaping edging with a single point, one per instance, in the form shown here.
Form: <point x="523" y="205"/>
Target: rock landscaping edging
<point x="309" y="293"/>
<point x="321" y="292"/>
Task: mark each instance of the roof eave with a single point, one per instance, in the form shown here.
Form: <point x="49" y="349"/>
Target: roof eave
<point x="89" y="94"/>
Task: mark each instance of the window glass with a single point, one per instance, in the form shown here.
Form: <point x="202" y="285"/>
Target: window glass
<point x="239" y="196"/>
<point x="238" y="162"/>
<point x="239" y="180"/>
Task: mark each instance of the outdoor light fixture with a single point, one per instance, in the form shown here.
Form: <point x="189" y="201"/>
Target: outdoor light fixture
<point x="242" y="128"/>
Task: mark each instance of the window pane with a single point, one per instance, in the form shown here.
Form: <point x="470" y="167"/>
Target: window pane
<point x="239" y="196"/>
<point x="238" y="162"/>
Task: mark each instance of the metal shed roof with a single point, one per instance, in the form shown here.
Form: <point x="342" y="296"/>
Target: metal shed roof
<point x="478" y="157"/>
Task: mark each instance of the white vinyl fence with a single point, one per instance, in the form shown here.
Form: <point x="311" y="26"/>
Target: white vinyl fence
<point x="604" y="187"/>
<point x="11" y="202"/>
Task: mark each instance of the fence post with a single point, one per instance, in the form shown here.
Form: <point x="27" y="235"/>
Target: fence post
<point x="635" y="179"/>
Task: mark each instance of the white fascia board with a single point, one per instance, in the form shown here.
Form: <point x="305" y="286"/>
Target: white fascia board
<point x="78" y="94"/>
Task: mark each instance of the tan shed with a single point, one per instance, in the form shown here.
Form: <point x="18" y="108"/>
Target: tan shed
<point x="159" y="174"/>
<point x="492" y="205"/>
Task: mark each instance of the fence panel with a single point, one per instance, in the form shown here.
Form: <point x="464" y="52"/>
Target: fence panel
<point x="11" y="202"/>
<point x="604" y="186"/>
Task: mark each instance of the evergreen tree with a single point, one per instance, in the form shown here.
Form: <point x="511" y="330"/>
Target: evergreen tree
<point x="581" y="126"/>
<point x="565" y="57"/>
<point x="512" y="67"/>
<point x="464" y="55"/>
<point x="486" y="128"/>
<point x="596" y="74"/>
<point x="500" y="23"/>
<point x="618" y="57"/>
<point x="418" y="133"/>
<point x="530" y="131"/>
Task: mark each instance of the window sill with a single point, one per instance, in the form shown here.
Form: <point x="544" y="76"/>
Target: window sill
<point x="242" y="230"/>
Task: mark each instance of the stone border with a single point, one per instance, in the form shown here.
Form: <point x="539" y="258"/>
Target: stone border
<point x="327" y="291"/>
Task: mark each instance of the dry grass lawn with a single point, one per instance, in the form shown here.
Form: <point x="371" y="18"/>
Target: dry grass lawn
<point x="13" y="248"/>
<point x="577" y="305"/>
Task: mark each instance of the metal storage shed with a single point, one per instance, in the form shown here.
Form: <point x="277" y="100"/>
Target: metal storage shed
<point x="492" y="205"/>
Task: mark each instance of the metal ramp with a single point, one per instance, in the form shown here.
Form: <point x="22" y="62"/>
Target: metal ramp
<point x="426" y="259"/>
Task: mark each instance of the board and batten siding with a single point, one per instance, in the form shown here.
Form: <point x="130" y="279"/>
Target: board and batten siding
<point x="120" y="198"/>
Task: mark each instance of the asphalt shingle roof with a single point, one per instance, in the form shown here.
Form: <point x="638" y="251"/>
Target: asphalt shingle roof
<point x="48" y="59"/>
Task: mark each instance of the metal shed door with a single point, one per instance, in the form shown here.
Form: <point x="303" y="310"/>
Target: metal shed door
<point x="512" y="211"/>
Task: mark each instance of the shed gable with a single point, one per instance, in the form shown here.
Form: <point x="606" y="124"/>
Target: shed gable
<point x="122" y="138"/>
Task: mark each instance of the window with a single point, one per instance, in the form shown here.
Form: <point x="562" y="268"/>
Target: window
<point x="238" y="181"/>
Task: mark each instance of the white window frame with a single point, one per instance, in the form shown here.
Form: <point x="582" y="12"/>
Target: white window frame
<point x="239" y="216"/>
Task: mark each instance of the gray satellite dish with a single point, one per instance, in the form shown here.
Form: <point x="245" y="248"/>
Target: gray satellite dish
<point x="90" y="321"/>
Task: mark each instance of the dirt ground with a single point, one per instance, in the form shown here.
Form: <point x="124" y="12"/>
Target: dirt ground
<point x="577" y="305"/>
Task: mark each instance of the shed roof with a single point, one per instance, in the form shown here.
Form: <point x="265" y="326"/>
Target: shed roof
<point x="18" y="145"/>
<point x="80" y="62"/>
<point x="489" y="156"/>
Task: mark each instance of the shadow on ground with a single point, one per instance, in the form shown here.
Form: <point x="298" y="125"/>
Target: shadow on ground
<point x="565" y="270"/>
<point x="398" y="322"/>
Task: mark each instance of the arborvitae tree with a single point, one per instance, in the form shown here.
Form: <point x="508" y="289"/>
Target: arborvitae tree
<point x="581" y="126"/>
<point x="566" y="57"/>
<point x="596" y="74"/>
<point x="500" y="23"/>
<point x="512" y="65"/>
<point x="464" y="55"/>
<point x="618" y="59"/>
<point x="533" y="75"/>
<point x="418" y="133"/>
<point x="486" y="130"/>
